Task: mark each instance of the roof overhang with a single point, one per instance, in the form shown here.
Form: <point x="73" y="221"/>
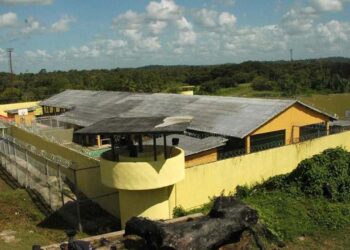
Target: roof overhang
<point x="138" y="125"/>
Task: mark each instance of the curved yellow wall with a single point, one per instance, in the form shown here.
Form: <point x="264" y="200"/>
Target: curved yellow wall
<point x="153" y="204"/>
<point x="143" y="173"/>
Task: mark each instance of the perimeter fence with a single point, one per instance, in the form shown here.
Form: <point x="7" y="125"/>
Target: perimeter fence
<point x="52" y="183"/>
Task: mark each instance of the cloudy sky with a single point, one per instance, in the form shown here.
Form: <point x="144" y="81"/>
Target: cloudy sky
<point x="85" y="34"/>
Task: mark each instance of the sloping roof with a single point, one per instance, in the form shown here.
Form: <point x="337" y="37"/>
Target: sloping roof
<point x="124" y="125"/>
<point x="192" y="145"/>
<point x="227" y="116"/>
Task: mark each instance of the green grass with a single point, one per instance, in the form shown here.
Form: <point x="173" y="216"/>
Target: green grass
<point x="291" y="216"/>
<point x="332" y="103"/>
<point x="18" y="213"/>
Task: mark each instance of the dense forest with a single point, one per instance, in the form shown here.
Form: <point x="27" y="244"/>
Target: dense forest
<point x="330" y="75"/>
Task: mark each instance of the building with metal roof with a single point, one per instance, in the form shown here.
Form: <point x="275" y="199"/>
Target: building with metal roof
<point x="228" y="116"/>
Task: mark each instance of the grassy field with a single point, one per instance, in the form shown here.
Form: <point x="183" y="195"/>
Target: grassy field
<point x="22" y="224"/>
<point x="331" y="103"/>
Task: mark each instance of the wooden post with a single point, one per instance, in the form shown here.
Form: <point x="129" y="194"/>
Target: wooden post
<point x="165" y="147"/>
<point x="15" y="158"/>
<point x="27" y="167"/>
<point x="155" y="147"/>
<point x="114" y="155"/>
<point x="140" y="144"/>
<point x="247" y="144"/>
<point x="98" y="138"/>
<point x="327" y="127"/>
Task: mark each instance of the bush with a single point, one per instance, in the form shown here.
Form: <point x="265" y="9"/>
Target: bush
<point x="260" y="83"/>
<point x="324" y="175"/>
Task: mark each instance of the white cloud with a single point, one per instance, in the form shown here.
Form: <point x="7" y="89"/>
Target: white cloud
<point x="31" y="25"/>
<point x="183" y="24"/>
<point x="227" y="19"/>
<point x="26" y="2"/>
<point x="333" y="33"/>
<point x="38" y="54"/>
<point x="256" y="39"/>
<point x="207" y="18"/>
<point x="133" y="34"/>
<point x="299" y="20"/>
<point x="329" y="5"/>
<point x="157" y="27"/>
<point x="8" y="20"/>
<point x="150" y="43"/>
<point x="163" y="10"/>
<point x="187" y="37"/>
<point x="128" y="20"/>
<point x="212" y="19"/>
<point x="62" y="25"/>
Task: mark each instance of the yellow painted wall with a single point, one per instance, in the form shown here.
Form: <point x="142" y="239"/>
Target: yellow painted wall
<point x="24" y="119"/>
<point x="20" y="105"/>
<point x="202" y="158"/>
<point x="204" y="181"/>
<point x="297" y="115"/>
<point x="143" y="173"/>
<point x="152" y="204"/>
<point x="89" y="181"/>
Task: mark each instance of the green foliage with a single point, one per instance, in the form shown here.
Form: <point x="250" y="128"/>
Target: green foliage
<point x="324" y="175"/>
<point x="204" y="209"/>
<point x="315" y="196"/>
<point x="287" y="78"/>
<point x="179" y="212"/>
<point x="261" y="83"/>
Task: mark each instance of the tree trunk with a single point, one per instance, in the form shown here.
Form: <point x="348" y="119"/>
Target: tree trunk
<point x="224" y="224"/>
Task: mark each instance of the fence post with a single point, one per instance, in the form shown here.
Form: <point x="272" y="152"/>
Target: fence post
<point x="80" y="227"/>
<point x="27" y="167"/>
<point x="60" y="183"/>
<point x="15" y="158"/>
<point x="47" y="182"/>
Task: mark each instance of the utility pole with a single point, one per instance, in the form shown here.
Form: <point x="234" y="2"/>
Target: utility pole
<point x="9" y="51"/>
<point x="291" y="55"/>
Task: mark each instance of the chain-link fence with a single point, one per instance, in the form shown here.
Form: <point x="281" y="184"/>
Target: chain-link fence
<point x="51" y="181"/>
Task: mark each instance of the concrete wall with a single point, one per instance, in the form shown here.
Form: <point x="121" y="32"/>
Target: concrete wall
<point x="153" y="204"/>
<point x="60" y="134"/>
<point x="88" y="180"/>
<point x="208" y="180"/>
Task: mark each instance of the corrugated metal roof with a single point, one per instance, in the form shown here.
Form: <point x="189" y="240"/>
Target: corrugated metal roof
<point x="192" y="145"/>
<point x="134" y="125"/>
<point x="227" y="116"/>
